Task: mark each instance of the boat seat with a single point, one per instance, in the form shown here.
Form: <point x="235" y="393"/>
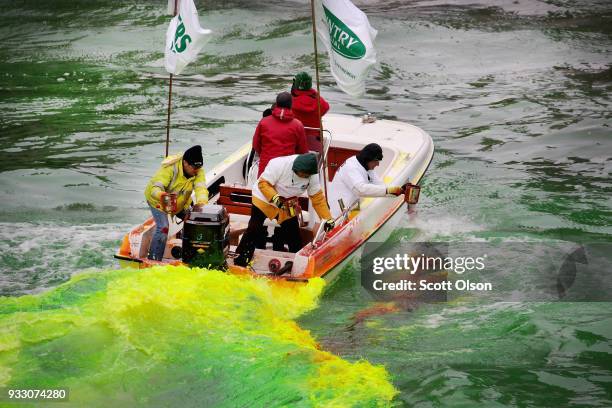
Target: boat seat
<point x="235" y="199"/>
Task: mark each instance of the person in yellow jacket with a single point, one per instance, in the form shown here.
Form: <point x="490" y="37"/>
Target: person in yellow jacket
<point x="284" y="178"/>
<point x="169" y="193"/>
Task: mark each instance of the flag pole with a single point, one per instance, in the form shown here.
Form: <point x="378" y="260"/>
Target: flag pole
<point x="169" y="100"/>
<point x="316" y="55"/>
<point x="168" y="121"/>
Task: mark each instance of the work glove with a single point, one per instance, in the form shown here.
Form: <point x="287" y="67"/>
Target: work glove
<point x="278" y="201"/>
<point x="198" y="206"/>
<point x="329" y="225"/>
<point x="395" y="190"/>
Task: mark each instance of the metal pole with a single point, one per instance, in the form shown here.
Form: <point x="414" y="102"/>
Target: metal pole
<point x="316" y="55"/>
<point x="168" y="121"/>
<point x="170" y="100"/>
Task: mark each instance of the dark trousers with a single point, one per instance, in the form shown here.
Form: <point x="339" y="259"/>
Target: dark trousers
<point x="289" y="234"/>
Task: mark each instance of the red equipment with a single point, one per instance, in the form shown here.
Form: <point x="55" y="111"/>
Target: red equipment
<point x="168" y="202"/>
<point x="411" y="193"/>
<point x="274" y="265"/>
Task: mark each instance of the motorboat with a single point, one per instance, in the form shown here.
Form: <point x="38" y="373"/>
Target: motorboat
<point x="407" y="151"/>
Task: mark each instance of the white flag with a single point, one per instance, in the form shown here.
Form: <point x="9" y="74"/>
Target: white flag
<point x="184" y="38"/>
<point x="349" y="38"/>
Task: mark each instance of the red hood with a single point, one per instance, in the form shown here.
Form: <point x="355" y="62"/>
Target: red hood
<point x="283" y="114"/>
<point x="305" y="101"/>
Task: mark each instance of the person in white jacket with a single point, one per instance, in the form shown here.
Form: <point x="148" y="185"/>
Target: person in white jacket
<point x="284" y="178"/>
<point x="356" y="179"/>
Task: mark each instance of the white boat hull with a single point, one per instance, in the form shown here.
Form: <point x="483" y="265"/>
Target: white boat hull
<point x="407" y="152"/>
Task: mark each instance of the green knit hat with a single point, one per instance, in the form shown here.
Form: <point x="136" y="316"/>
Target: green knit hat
<point x="302" y="81"/>
<point x="306" y="163"/>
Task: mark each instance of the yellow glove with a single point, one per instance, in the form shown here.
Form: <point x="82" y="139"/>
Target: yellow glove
<point x="395" y="190"/>
<point x="278" y="201"/>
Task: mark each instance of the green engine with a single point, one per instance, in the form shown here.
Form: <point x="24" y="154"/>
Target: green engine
<point x="206" y="237"/>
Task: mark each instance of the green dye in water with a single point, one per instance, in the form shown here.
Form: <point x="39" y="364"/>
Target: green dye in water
<point x="175" y="336"/>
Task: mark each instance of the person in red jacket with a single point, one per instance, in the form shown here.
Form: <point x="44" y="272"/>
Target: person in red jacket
<point x="279" y="134"/>
<point x="306" y="110"/>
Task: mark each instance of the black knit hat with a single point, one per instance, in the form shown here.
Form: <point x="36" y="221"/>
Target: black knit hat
<point x="306" y="163"/>
<point x="369" y="153"/>
<point x="193" y="156"/>
<point x="283" y="100"/>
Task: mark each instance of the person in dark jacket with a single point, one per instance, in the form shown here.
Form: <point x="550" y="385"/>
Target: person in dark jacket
<point x="306" y="110"/>
<point x="279" y="134"/>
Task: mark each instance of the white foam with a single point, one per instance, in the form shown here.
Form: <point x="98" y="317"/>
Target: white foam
<point x="39" y="255"/>
<point x="434" y="220"/>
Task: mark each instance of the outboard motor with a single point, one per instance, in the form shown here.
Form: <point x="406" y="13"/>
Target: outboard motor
<point x="206" y="237"/>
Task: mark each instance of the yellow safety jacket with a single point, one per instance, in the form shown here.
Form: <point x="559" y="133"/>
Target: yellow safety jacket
<point x="171" y="179"/>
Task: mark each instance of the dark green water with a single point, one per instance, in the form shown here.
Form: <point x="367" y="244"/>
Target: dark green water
<point x="516" y="95"/>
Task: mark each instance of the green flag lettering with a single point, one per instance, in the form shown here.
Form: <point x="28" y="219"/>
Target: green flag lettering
<point x="342" y="38"/>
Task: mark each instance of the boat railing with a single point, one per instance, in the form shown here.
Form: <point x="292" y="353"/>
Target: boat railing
<point x="319" y="237"/>
<point x="346" y="211"/>
<point x="321" y="234"/>
<point x="326" y="143"/>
